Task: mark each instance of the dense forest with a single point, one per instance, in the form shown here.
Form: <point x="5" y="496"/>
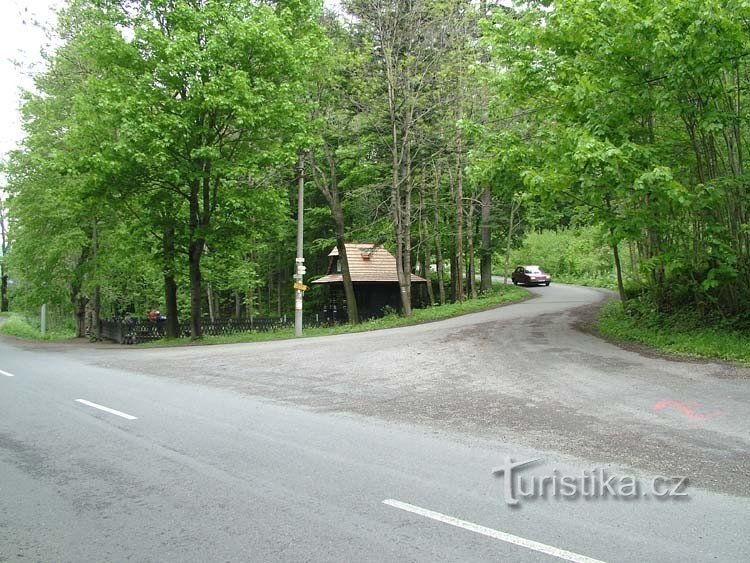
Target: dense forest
<point x="163" y="144"/>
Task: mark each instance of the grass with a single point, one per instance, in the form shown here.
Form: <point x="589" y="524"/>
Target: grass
<point x="607" y="282"/>
<point x="16" y="324"/>
<point x="669" y="335"/>
<point x="498" y="296"/>
<point x="575" y="255"/>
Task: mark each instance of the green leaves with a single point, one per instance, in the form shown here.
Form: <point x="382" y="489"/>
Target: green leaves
<point x="636" y="111"/>
<point x="158" y="116"/>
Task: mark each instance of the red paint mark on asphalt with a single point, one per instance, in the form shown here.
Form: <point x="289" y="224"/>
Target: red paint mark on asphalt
<point x="686" y="409"/>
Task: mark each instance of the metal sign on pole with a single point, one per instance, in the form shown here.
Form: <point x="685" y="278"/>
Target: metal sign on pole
<point x="300" y="260"/>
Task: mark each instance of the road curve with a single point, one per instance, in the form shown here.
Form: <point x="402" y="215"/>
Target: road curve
<point x="522" y="371"/>
<point x="286" y="450"/>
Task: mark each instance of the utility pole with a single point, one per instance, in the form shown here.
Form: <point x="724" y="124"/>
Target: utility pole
<point x="299" y="287"/>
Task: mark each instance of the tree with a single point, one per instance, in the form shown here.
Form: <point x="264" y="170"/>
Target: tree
<point x="52" y="217"/>
<point x="618" y="109"/>
<point x="161" y="119"/>
<point x="216" y="102"/>
<point x="408" y="41"/>
<point x="332" y="115"/>
<point x="4" y="245"/>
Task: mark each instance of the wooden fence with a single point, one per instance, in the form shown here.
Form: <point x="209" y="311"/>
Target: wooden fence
<point x="136" y="331"/>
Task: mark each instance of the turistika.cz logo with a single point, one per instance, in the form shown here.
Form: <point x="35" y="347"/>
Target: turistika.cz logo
<point x="588" y="484"/>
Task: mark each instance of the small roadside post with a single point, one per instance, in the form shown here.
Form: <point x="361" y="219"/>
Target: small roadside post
<point x="300" y="270"/>
<point x="43" y="319"/>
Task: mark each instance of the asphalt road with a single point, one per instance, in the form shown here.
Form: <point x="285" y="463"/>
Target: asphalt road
<point x="286" y="451"/>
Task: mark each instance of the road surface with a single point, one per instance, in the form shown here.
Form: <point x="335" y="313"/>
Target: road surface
<point x="375" y="446"/>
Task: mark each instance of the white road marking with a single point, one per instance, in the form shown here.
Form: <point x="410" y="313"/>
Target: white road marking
<point x="489" y="532"/>
<point x="106" y="409"/>
<point x="6" y="374"/>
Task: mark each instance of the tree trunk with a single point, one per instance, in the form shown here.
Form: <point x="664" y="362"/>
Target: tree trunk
<point x="4" y="304"/>
<point x="485" y="252"/>
<point x="426" y="275"/>
<point x="440" y="270"/>
<point x="170" y="300"/>
<point x="485" y="228"/>
<point x="439" y="265"/>
<point x="458" y="262"/>
<point x="329" y="187"/>
<point x="77" y="299"/>
<point x="195" y="249"/>
<point x="406" y="224"/>
<point x="269" y="294"/>
<point x="338" y="218"/>
<point x="511" y="228"/>
<point x="80" y="312"/>
<point x="351" y="299"/>
<point x="279" y="277"/>
<point x="211" y="302"/>
<point x="397" y="210"/>
<point x="96" y="312"/>
<point x="250" y="301"/>
<point x="404" y="277"/>
<point x="170" y="284"/>
<point x="397" y="213"/>
<point x="96" y="298"/>
<point x="471" y="270"/>
<point x="455" y="272"/>
<point x="618" y="270"/>
<point x="237" y="305"/>
<point x="424" y="238"/>
<point x="196" y="252"/>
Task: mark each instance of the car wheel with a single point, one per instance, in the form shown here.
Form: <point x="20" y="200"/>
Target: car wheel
<point x="515" y="282"/>
<point x="547" y="284"/>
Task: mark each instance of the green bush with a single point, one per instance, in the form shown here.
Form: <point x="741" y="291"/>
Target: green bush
<point x="16" y="325"/>
<point x="681" y="334"/>
<point x="578" y="255"/>
<point x="23" y="326"/>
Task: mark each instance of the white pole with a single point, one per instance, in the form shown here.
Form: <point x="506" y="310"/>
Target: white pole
<point x="300" y="260"/>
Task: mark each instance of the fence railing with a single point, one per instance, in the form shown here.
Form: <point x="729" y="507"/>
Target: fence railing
<point x="131" y="331"/>
<point x="136" y="331"/>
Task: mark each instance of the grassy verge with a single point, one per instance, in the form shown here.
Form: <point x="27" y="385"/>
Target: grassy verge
<point x="16" y="324"/>
<point x="498" y="296"/>
<point x="669" y="335"/>
<point x="607" y="282"/>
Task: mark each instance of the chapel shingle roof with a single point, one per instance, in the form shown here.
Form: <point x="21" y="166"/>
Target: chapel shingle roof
<point x="367" y="263"/>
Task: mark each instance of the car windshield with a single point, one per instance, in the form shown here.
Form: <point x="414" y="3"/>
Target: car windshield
<point x="533" y="270"/>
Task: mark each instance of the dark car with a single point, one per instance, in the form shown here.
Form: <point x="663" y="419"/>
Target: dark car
<point x="530" y="275"/>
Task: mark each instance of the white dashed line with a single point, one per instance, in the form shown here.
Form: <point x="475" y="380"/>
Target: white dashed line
<point x="489" y="532"/>
<point x="106" y="409"/>
<point x="6" y="374"/>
